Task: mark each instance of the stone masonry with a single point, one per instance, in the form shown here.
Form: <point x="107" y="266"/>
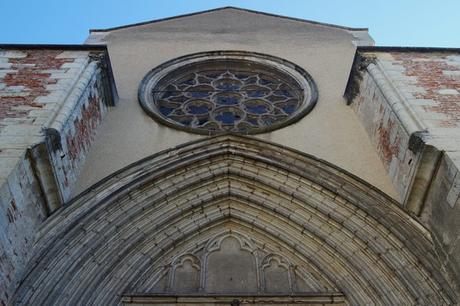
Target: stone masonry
<point x="409" y="103"/>
<point x="271" y="219"/>
<point x="123" y="236"/>
<point x="51" y="101"/>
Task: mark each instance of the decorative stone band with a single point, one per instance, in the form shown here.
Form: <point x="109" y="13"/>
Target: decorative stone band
<point x="116" y="237"/>
<point x="63" y="112"/>
<point x="227" y="91"/>
<point x="234" y="300"/>
<point x="396" y="99"/>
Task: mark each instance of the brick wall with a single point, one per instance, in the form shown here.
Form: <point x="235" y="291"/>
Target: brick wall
<point x="432" y="84"/>
<point x="51" y="103"/>
<point x="26" y="76"/>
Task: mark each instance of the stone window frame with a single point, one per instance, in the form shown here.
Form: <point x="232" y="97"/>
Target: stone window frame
<point x="156" y="75"/>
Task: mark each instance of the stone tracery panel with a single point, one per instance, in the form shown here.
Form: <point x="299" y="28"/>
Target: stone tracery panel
<point x="276" y="274"/>
<point x="218" y="92"/>
<point x="186" y="274"/>
<point x="230" y="262"/>
<point x="231" y="268"/>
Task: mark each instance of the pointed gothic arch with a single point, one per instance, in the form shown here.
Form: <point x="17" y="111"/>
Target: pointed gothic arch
<point x="338" y="233"/>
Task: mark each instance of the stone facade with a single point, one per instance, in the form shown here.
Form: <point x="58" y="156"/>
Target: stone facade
<point x="46" y="95"/>
<point x="409" y="103"/>
<point x="260" y="202"/>
<point x="314" y="48"/>
<point x="354" y="204"/>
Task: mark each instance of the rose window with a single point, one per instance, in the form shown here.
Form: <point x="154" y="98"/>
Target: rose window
<point x="222" y="92"/>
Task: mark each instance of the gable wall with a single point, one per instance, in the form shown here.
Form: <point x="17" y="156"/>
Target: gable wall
<point x="330" y="131"/>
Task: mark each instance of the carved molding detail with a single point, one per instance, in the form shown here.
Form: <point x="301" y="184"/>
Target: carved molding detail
<point x="272" y="272"/>
<point x="227" y="91"/>
<point x="337" y="232"/>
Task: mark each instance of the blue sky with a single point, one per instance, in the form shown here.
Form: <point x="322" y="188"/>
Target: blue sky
<point x="434" y="23"/>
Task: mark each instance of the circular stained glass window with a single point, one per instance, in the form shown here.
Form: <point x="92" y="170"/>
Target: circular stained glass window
<point x="235" y="92"/>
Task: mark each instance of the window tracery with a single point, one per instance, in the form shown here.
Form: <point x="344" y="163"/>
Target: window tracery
<point x="227" y="92"/>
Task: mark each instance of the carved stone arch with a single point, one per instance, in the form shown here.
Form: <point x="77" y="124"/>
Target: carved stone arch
<point x="234" y="259"/>
<point x="276" y="274"/>
<point x="112" y="238"/>
<point x="227" y="226"/>
<point x="222" y="228"/>
<point x="304" y="281"/>
<point x="157" y="282"/>
<point x="185" y="274"/>
<point x="230" y="265"/>
<point x="244" y="241"/>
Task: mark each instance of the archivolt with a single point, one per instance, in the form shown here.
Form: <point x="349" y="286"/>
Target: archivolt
<point x="113" y="237"/>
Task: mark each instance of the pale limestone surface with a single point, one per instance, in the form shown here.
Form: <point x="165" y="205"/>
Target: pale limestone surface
<point x="331" y="131"/>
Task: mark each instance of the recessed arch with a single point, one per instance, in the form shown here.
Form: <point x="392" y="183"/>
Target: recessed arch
<point x="119" y="234"/>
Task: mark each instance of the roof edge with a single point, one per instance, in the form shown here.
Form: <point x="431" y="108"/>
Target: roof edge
<point x="54" y="47"/>
<point x="107" y="65"/>
<point x="224" y="8"/>
<point x="405" y="49"/>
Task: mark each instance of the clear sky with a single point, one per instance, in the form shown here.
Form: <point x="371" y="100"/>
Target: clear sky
<point x="433" y="23"/>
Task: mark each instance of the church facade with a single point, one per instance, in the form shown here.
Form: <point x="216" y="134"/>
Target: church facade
<point x="229" y="157"/>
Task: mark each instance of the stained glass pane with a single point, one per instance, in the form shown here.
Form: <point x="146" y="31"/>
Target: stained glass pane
<point x="234" y="95"/>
